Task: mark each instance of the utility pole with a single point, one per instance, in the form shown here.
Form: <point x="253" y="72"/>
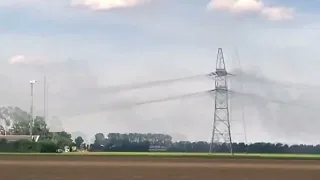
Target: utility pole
<point x="221" y="132"/>
<point x="32" y="82"/>
<point x="45" y="99"/>
<point x="47" y="102"/>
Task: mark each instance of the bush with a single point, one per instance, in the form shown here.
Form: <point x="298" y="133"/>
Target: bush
<point x="23" y="146"/>
<point x="47" y="146"/>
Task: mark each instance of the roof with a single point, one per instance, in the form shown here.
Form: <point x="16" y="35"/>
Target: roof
<point x="19" y="137"/>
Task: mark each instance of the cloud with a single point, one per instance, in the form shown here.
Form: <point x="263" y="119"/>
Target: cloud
<point x="278" y="13"/>
<point x="27" y="60"/>
<point x="275" y="13"/>
<point x="106" y="4"/>
<point x="252" y="6"/>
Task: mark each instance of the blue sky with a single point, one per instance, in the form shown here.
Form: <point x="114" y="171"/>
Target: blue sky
<point x="82" y="47"/>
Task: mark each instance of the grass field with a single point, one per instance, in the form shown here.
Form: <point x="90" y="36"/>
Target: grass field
<point x="177" y="155"/>
<point x="139" y="166"/>
<point x="158" y="166"/>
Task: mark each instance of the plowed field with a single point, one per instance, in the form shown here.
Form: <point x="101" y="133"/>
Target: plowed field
<point x="153" y="168"/>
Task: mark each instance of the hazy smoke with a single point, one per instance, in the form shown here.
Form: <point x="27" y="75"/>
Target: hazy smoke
<point x="54" y="124"/>
<point x="284" y="110"/>
<point x="107" y="4"/>
<point x="252" y="6"/>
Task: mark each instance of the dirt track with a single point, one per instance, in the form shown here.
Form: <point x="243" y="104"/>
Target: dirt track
<point x="120" y="168"/>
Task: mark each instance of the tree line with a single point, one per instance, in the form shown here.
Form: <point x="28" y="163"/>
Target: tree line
<point x="130" y="142"/>
<point x="18" y="121"/>
<point x="162" y="142"/>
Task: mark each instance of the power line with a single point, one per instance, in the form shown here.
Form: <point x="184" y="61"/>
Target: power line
<point x="154" y="101"/>
<point x="171" y="98"/>
<point x="267" y="99"/>
<point x="242" y="107"/>
<point x="174" y="98"/>
<point x="246" y="77"/>
<point x="147" y="84"/>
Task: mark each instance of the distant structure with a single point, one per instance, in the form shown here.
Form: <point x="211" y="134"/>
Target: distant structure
<point x="221" y="132"/>
<point x="11" y="138"/>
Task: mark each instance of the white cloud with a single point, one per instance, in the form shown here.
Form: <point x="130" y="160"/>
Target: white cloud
<point x="278" y="13"/>
<point x="233" y="6"/>
<point x="106" y="4"/>
<point x="252" y="6"/>
<point x="27" y="60"/>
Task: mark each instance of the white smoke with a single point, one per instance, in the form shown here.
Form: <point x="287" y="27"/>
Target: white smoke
<point x="54" y="124"/>
<point x="252" y="6"/>
<point x="285" y="110"/>
<point x="107" y="4"/>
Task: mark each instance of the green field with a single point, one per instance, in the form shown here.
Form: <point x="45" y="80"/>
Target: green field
<point x="177" y="155"/>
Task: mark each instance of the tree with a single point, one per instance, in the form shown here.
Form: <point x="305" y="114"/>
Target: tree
<point x="2" y="130"/>
<point x="99" y="139"/>
<point x="4" y="117"/>
<point x="21" y="122"/>
<point x="62" y="139"/>
<point x="79" y="141"/>
<point x="47" y="146"/>
<point x="20" y="127"/>
<point x="64" y="134"/>
<point x="40" y="128"/>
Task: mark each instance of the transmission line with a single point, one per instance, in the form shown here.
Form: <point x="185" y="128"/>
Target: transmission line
<point x="134" y="104"/>
<point x="246" y="77"/>
<point x="242" y="106"/>
<point x="170" y="98"/>
<point x="266" y="99"/>
<point x="147" y="84"/>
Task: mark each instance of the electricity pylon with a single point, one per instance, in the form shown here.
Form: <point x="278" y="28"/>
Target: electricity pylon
<point x="221" y="133"/>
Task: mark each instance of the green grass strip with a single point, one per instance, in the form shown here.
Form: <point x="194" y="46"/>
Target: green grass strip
<point x="178" y="155"/>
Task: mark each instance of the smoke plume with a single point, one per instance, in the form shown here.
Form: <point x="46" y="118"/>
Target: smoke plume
<point x="284" y="110"/>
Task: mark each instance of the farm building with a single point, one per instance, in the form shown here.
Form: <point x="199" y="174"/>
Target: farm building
<point x="20" y="137"/>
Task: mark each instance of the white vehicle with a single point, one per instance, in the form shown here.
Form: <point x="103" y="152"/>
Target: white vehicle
<point x="59" y="151"/>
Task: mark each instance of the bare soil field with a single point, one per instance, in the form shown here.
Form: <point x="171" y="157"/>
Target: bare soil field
<point x="153" y="168"/>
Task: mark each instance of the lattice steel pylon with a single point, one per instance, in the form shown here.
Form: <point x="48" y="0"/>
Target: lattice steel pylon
<point x="221" y="132"/>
